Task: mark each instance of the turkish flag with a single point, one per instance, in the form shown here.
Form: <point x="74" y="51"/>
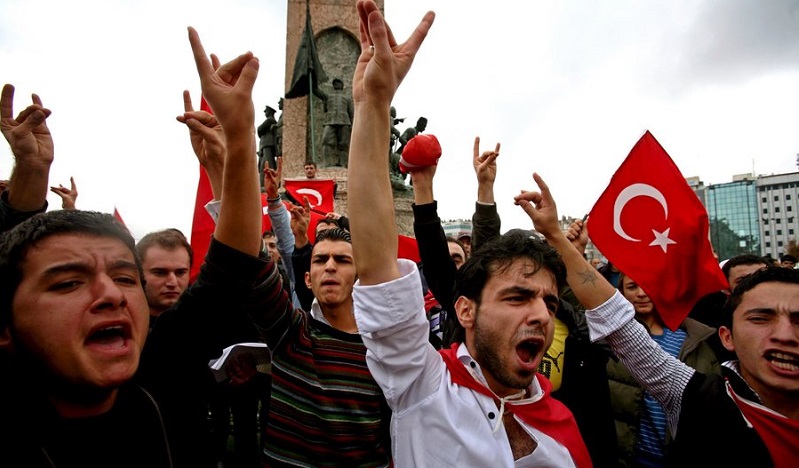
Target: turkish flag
<point x="318" y="191"/>
<point x="651" y="226"/>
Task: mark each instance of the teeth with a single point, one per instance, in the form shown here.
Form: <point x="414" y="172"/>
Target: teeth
<point x="784" y="357"/>
<point x="785" y="366"/>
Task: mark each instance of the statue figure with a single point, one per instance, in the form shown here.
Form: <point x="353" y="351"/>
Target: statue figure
<point x="279" y="130"/>
<point x="266" y="143"/>
<point x="336" y="136"/>
<point x="411" y="132"/>
<point x="397" y="177"/>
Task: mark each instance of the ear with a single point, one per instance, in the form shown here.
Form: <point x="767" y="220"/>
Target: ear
<point x="466" y="310"/>
<point x="6" y="343"/>
<point x="308" y="279"/>
<point x="726" y="338"/>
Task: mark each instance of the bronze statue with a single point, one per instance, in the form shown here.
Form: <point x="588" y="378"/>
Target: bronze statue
<point x="336" y="136"/>
<point x="411" y="132"/>
<point x="279" y="130"/>
<point x="266" y="143"/>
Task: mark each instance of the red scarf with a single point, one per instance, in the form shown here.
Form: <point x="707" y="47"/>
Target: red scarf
<point x="780" y="434"/>
<point x="548" y="415"/>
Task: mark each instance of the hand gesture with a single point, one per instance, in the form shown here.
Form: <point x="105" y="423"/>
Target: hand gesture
<point x="272" y="179"/>
<point x="68" y="195"/>
<point x="578" y="235"/>
<point x="540" y="207"/>
<point x="28" y="134"/>
<point x="227" y="88"/>
<point x="383" y="63"/>
<point x="205" y="132"/>
<point x="301" y="218"/>
<point x="333" y="215"/>
<point x="485" y="164"/>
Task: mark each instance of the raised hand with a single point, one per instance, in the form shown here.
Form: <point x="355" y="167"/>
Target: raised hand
<point x="68" y="195"/>
<point x="27" y="134"/>
<point x="205" y="132"/>
<point x="32" y="146"/>
<point x="383" y="63"/>
<point x="272" y="179"/>
<point x="578" y="235"/>
<point x="485" y="168"/>
<point x="540" y="207"/>
<point x="227" y="88"/>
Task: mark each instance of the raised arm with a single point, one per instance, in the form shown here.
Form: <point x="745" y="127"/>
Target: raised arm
<point x="485" y="220"/>
<point x="380" y="69"/>
<point x="68" y="195"/>
<point x="32" y="146"/>
<point x="228" y="91"/>
<point x="207" y="140"/>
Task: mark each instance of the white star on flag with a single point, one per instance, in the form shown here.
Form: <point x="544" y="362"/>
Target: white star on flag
<point x="662" y="239"/>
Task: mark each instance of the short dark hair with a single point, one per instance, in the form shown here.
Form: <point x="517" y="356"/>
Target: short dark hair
<point x="740" y="260"/>
<point x="309" y="163"/>
<point x="788" y="258"/>
<point x="330" y="221"/>
<point x="169" y="239"/>
<point x="335" y="234"/>
<point x="770" y="274"/>
<point x="16" y="243"/>
<point x="498" y="255"/>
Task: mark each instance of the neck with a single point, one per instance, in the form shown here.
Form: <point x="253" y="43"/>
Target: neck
<point x="785" y="403"/>
<point x="653" y="323"/>
<point x="340" y="316"/>
<point x="85" y="407"/>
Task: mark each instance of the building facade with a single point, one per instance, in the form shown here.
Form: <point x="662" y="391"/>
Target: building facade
<point x="777" y="208"/>
<point x="733" y="212"/>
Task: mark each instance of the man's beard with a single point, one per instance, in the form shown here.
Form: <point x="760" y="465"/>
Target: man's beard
<point x="485" y="345"/>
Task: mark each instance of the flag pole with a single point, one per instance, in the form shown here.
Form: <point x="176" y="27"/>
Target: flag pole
<point x="311" y="115"/>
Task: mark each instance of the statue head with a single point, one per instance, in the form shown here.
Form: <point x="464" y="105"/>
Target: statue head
<point x="269" y="111"/>
<point x="280" y="104"/>
<point x="393" y="112"/>
<point x="421" y="124"/>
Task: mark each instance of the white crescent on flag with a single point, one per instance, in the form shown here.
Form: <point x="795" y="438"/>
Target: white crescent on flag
<point x="641" y="190"/>
<point x="313" y="193"/>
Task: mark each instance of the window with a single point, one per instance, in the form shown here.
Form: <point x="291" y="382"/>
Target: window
<point x="776" y="198"/>
<point x="790" y="232"/>
<point x="765" y="210"/>
<point x="776" y="209"/>
<point x="767" y="233"/>
<point x="764" y="199"/>
<point x="789" y="208"/>
<point x="787" y="196"/>
<point x="779" y="232"/>
<point x="779" y="220"/>
<point x="779" y="244"/>
<point x="768" y="244"/>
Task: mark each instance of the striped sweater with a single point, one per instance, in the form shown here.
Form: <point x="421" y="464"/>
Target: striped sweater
<point x="325" y="407"/>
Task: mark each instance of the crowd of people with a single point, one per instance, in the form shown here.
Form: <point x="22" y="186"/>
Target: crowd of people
<point x="513" y="350"/>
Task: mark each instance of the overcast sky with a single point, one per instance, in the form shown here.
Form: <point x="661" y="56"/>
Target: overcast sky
<point x="566" y="87"/>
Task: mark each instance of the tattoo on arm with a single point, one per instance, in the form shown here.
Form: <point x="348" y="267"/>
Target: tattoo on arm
<point x="587" y="276"/>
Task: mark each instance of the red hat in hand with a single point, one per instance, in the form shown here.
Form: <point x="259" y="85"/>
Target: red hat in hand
<point x="420" y="152"/>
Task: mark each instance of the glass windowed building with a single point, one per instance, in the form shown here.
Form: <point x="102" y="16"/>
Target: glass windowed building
<point x="733" y="211"/>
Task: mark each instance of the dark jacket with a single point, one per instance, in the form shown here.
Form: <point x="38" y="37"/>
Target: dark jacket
<point x="711" y="430"/>
<point x="627" y="397"/>
<point x="167" y="396"/>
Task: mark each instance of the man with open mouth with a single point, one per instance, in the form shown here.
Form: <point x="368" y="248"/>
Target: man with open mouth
<point x="748" y="415"/>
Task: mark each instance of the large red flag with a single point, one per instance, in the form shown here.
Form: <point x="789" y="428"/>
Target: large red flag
<point x="408" y="248"/>
<point x="651" y="226"/>
<point x="318" y="191"/>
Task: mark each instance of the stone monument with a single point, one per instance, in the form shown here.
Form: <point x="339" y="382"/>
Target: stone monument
<point x="335" y="31"/>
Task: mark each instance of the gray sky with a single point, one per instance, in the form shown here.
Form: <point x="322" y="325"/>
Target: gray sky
<point x="566" y="87"/>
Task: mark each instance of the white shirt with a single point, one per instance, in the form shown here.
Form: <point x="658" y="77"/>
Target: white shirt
<point x="435" y="423"/>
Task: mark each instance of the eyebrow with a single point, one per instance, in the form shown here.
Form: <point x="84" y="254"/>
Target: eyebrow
<point x="80" y="267"/>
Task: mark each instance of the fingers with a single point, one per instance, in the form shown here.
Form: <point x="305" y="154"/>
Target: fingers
<point x="420" y="33"/>
<point x="215" y="61"/>
<point x="545" y="193"/>
<point x="231" y="71"/>
<point x="187" y="105"/>
<point x="279" y="166"/>
<point x="7" y="102"/>
<point x="37" y="100"/>
<point x="72" y="183"/>
<point x="204" y="68"/>
<point x="496" y="150"/>
<point x="488" y="157"/>
<point x="476" y="147"/>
